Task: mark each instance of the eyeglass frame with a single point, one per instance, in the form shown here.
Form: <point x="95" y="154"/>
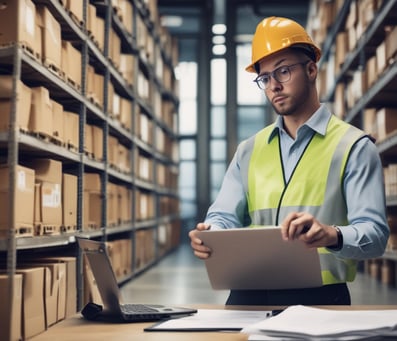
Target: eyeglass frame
<point x="272" y="74"/>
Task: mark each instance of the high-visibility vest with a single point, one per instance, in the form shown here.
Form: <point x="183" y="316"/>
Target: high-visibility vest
<point x="315" y="186"/>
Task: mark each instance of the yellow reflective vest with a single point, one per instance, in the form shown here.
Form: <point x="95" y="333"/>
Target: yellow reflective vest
<point x="315" y="186"/>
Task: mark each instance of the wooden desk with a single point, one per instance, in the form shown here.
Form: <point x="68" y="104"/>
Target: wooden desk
<point x="78" y="329"/>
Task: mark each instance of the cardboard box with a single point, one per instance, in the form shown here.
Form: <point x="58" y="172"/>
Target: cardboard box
<point x="92" y="182"/>
<point x="71" y="282"/>
<point x="48" y="204"/>
<point x="17" y="23"/>
<point x="11" y="323"/>
<point x="40" y="120"/>
<point x="51" y="292"/>
<point x="54" y="288"/>
<point x="92" y="201"/>
<point x="24" y="197"/>
<point x="386" y="119"/>
<point x="75" y="8"/>
<point x="71" y="120"/>
<point x="88" y="142"/>
<point x="57" y="119"/>
<point x="33" y="310"/>
<point x="391" y="43"/>
<point x="50" y="36"/>
<point x="97" y="140"/>
<point x="69" y="202"/>
<point x="23" y="99"/>
<point x="71" y="63"/>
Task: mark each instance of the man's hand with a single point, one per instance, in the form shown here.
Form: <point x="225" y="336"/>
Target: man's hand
<point x="304" y="227"/>
<point x="200" y="250"/>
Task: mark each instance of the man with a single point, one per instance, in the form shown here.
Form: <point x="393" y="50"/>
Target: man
<point x="317" y="177"/>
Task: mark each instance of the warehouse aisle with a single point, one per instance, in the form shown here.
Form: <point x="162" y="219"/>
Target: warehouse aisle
<point x="180" y="278"/>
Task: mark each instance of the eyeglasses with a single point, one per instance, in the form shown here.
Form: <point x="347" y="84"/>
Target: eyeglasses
<point x="282" y="74"/>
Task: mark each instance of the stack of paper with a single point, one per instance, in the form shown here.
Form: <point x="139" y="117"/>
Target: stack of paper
<point x="307" y="323"/>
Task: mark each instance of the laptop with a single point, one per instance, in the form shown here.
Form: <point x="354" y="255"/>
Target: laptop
<point x="113" y="308"/>
<point x="258" y="259"/>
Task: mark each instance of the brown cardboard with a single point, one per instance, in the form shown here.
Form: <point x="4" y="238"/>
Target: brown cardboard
<point x="50" y="291"/>
<point x="71" y="134"/>
<point x="50" y="36"/>
<point x="57" y="120"/>
<point x="33" y="311"/>
<point x="11" y="323"/>
<point x="92" y="182"/>
<point x="47" y="170"/>
<point x="40" y="120"/>
<point x="88" y="142"/>
<point x="49" y="196"/>
<point x="386" y="122"/>
<point x="23" y="102"/>
<point x="24" y="197"/>
<point x="71" y="60"/>
<point x="97" y="140"/>
<point x="75" y="7"/>
<point x="17" y="23"/>
<point x="69" y="202"/>
<point x="71" y="282"/>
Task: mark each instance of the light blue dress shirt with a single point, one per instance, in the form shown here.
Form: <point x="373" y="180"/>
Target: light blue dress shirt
<point x="367" y="234"/>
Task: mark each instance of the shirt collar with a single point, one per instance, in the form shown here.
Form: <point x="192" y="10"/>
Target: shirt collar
<point x="318" y="122"/>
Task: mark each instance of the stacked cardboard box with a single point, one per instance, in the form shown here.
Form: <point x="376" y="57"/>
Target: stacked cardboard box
<point x="23" y="197"/>
<point x="48" y="195"/>
<point x="69" y="203"/>
<point x="51" y="43"/>
<point x="11" y="323"/>
<point x="18" y="24"/>
<point x="23" y="98"/>
<point x="92" y="202"/>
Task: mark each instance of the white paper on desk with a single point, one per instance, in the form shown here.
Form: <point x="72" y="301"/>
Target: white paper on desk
<point x="212" y="319"/>
<point x="324" y="324"/>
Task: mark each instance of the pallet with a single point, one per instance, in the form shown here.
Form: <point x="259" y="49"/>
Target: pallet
<point x="46" y="229"/>
<point x="68" y="229"/>
<point x="46" y="138"/>
<point x="20" y="232"/>
<point x="49" y="64"/>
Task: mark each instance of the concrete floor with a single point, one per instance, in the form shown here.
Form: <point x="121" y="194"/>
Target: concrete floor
<point x="180" y="278"/>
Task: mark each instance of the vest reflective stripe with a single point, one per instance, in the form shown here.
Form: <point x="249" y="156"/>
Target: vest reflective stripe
<point x="315" y="186"/>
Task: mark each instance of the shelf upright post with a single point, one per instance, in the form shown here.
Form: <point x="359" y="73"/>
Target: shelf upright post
<point x="104" y="178"/>
<point x="12" y="161"/>
<point x="80" y="170"/>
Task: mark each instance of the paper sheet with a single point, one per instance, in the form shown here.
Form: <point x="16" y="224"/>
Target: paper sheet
<point x="212" y="319"/>
<point x="324" y="324"/>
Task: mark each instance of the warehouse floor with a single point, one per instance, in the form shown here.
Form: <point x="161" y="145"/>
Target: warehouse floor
<point x="180" y="278"/>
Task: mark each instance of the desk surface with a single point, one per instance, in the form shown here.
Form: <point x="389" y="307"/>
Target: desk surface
<point x="76" y="328"/>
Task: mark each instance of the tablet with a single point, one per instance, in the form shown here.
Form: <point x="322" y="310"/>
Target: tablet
<point x="258" y="259"/>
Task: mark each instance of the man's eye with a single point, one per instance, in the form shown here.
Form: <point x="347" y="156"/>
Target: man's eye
<point x="265" y="79"/>
<point x="283" y="70"/>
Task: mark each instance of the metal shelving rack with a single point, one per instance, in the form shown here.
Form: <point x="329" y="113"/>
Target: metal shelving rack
<point x="27" y="68"/>
<point x="382" y="92"/>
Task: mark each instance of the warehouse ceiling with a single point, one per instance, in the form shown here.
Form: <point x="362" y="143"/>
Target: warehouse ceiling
<point x="248" y="11"/>
<point x="182" y="17"/>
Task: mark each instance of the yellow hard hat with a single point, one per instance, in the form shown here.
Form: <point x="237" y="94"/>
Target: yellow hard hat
<point x="274" y="34"/>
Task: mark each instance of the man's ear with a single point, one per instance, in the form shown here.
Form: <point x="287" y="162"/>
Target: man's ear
<point x="312" y="70"/>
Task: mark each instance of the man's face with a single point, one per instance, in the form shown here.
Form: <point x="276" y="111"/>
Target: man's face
<point x="285" y="79"/>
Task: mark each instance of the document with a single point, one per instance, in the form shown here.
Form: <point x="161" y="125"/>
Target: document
<point x="212" y="320"/>
<point x="308" y="323"/>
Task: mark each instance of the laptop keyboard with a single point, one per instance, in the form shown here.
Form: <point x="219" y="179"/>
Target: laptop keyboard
<point x="137" y="308"/>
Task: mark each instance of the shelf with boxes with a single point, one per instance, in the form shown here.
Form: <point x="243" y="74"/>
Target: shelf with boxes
<point x="358" y="78"/>
<point x="88" y="137"/>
